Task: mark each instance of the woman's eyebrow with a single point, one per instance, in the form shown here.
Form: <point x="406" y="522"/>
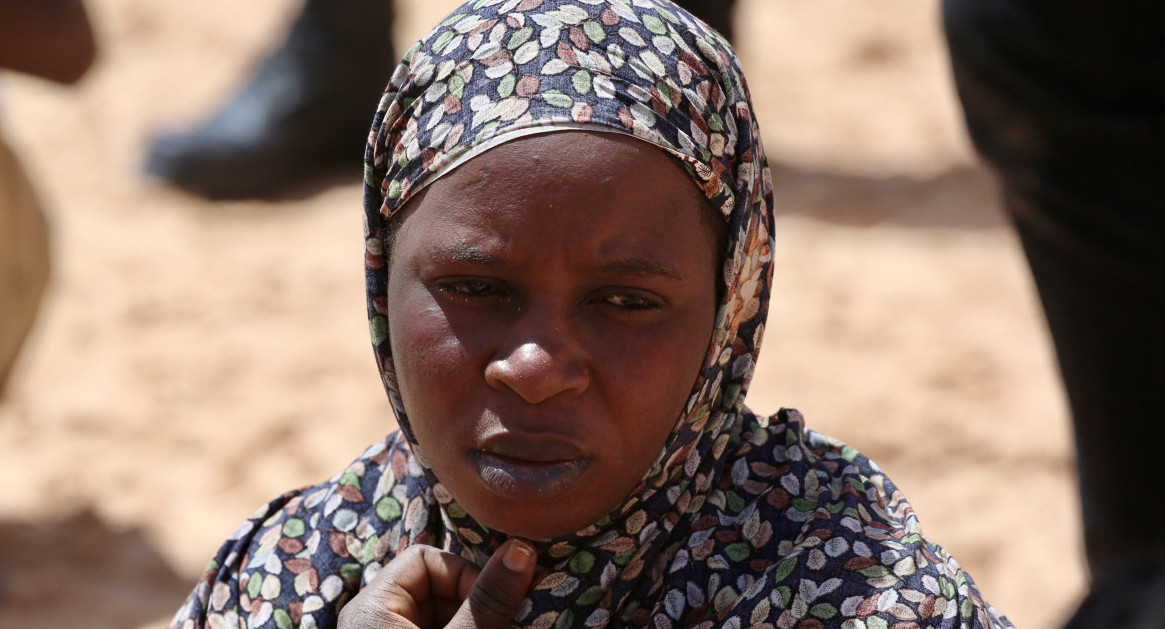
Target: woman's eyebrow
<point x="640" y="267"/>
<point x="643" y="267"/>
<point x="460" y="252"/>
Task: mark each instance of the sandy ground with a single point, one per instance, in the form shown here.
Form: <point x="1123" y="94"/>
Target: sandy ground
<point x="195" y="360"/>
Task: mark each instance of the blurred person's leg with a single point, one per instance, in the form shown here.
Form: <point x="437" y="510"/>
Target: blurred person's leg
<point x="1132" y="597"/>
<point x="24" y="259"/>
<point x="301" y="118"/>
<point x="715" y="13"/>
<point x="1067" y="101"/>
<point x="51" y="39"/>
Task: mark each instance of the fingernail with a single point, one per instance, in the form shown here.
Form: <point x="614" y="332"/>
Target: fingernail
<point x="518" y="557"/>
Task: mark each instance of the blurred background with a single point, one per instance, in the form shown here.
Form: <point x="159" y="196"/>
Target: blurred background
<point x="195" y="359"/>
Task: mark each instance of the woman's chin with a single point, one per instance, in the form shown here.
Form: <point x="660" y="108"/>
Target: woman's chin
<point x="535" y="520"/>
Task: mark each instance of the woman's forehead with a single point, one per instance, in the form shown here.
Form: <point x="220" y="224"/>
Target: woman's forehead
<point x="580" y="189"/>
<point x="610" y="195"/>
<point x="556" y="167"/>
<point x="554" y="152"/>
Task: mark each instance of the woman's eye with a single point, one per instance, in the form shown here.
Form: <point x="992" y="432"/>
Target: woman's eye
<point x="632" y="301"/>
<point x="467" y="289"/>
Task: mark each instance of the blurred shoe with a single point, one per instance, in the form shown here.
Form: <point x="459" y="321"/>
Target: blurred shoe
<point x="302" y="119"/>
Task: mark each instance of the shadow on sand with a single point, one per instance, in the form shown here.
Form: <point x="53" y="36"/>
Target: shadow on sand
<point x="80" y="573"/>
<point x="965" y="198"/>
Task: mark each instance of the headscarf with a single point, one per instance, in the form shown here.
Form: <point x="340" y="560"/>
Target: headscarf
<point x="741" y="520"/>
<point x="494" y="71"/>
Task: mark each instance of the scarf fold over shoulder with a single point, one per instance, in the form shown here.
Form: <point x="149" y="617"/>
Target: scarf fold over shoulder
<point x="742" y="520"/>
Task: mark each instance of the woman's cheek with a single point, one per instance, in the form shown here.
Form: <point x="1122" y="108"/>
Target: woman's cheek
<point x="652" y="353"/>
<point x="433" y="348"/>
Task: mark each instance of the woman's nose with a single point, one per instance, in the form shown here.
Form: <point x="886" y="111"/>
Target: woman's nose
<point x="538" y="370"/>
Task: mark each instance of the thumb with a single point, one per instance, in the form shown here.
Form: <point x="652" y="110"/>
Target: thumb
<point x="494" y="597"/>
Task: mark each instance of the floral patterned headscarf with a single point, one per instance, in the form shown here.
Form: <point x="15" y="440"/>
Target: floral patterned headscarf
<point x="496" y="70"/>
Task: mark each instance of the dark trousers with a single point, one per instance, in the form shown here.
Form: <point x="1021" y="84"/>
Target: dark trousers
<point x="714" y="13"/>
<point x="1066" y="100"/>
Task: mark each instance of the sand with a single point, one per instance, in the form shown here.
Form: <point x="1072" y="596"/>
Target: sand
<point x="194" y="359"/>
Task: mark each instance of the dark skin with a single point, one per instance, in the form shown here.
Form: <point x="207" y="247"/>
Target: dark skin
<point x="50" y="39"/>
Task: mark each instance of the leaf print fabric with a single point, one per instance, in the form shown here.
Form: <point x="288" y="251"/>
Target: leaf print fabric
<point x="742" y="520"/>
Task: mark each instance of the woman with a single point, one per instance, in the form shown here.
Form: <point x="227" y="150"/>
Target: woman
<point x="568" y="256"/>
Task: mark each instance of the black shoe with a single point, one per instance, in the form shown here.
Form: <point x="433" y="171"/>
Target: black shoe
<point x="301" y="120"/>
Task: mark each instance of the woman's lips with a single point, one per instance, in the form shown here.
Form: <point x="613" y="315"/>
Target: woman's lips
<point x="529" y="468"/>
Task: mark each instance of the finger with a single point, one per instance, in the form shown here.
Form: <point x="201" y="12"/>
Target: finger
<point x="411" y="590"/>
<point x="492" y="600"/>
<point x="423" y="581"/>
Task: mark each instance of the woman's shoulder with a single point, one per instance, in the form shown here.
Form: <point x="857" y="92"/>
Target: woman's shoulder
<point x="306" y="551"/>
<point x="846" y="543"/>
<point x="804" y="470"/>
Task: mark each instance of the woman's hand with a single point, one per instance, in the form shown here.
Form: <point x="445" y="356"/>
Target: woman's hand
<point x="425" y="587"/>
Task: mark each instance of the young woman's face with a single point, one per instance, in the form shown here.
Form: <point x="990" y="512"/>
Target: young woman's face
<point x="551" y="302"/>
